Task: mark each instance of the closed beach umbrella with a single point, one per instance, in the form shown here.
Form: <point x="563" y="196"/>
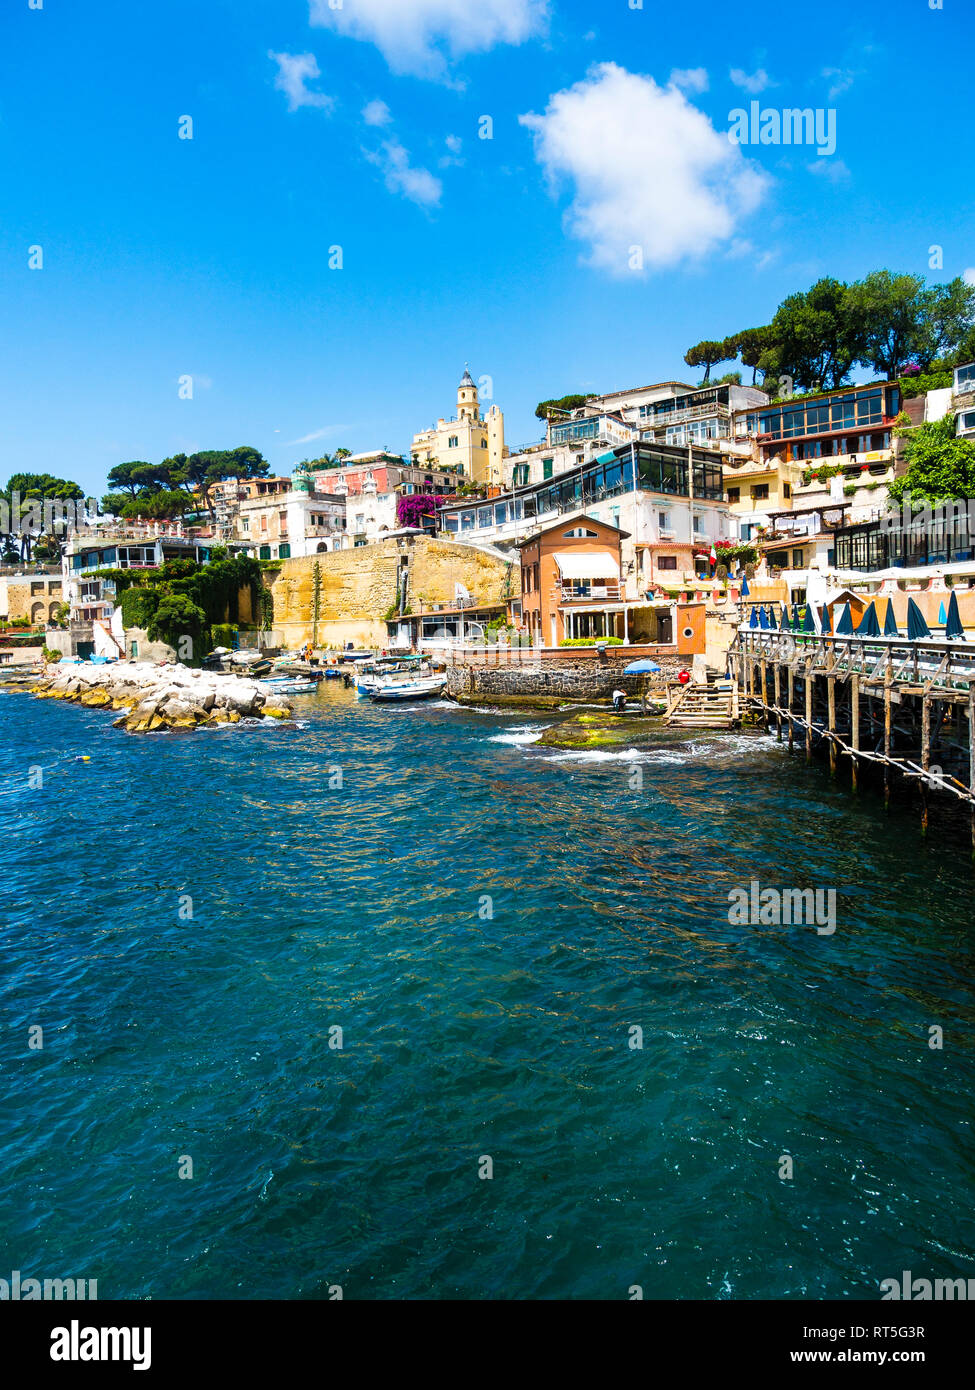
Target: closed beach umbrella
<point x="796" y="620"/>
<point x="771" y="618"/>
<point x="869" y="625"/>
<point x="953" y="627"/>
<point x="942" y="615"/>
<point x="890" y="622"/>
<point x="916" y="626"/>
<point x="753" y="620"/>
<point x="809" y="622"/>
<point x="745" y="591"/>
<point x="763" y="619"/>
<point x="827" y="621"/>
<point x="785" y="622"/>
<point x="844" y="628"/>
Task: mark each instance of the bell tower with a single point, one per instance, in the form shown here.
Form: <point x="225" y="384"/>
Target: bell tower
<point x="468" y="406"/>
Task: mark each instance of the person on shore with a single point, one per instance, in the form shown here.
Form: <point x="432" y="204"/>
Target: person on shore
<point x="619" y="701"/>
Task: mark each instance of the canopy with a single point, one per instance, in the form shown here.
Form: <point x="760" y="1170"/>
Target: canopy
<point x="583" y="564"/>
<point x="844" y="627"/>
<point x="638" y="668"/>
<point x="869" y="625"/>
<point x="890" y="622"/>
<point x="916" y="626"/>
<point x="953" y="627"/>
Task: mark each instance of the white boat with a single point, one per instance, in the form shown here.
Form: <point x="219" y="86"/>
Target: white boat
<point x="287" y="686"/>
<point x="421" y="688"/>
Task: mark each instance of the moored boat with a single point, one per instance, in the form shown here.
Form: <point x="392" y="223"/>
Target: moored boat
<point x="419" y="688"/>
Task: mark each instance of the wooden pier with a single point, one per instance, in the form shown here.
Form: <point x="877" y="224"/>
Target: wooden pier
<point x="906" y="707"/>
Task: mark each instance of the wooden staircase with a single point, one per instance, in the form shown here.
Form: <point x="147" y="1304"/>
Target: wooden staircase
<point x="711" y="706"/>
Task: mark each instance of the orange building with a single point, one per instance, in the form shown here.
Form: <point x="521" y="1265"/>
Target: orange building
<point x="571" y="584"/>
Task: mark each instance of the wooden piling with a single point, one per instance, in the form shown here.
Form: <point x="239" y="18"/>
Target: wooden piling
<point x="809" y="714"/>
<point x="831" y="718"/>
<point x="777" y="679"/>
<point x="855" y="723"/>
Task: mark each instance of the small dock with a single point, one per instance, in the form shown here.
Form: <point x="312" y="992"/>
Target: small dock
<point x="711" y="706"/>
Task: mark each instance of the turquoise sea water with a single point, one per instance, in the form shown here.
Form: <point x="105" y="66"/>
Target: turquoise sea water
<point x="485" y="921"/>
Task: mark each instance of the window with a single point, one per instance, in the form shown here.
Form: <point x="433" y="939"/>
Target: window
<point x="760" y="490"/>
<point x="663" y="520"/>
<point x="786" y="489"/>
<point x="483" y="443"/>
<point x="697" y="521"/>
<point x="284" y="552"/>
<point x="734" y="494"/>
<point x="798" y="559"/>
<point x="547" y="466"/>
<point x="265" y="552"/>
<point x="245" y="524"/>
<point x="519" y="475"/>
<point x="666" y="562"/>
<point x="453" y="441"/>
<point x="581" y="531"/>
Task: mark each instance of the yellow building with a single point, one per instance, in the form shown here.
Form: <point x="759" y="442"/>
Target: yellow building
<point x="34" y="596"/>
<point x="755" y="489"/>
<point x="472" y="443"/>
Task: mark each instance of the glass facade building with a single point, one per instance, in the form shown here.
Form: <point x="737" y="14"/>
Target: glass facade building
<point x="632" y="467"/>
<point x="828" y="425"/>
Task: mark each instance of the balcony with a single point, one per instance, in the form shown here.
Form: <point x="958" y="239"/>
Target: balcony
<point x="591" y="593"/>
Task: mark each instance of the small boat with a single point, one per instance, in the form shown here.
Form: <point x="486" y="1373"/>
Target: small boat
<point x="420" y="688"/>
<point x="284" y="686"/>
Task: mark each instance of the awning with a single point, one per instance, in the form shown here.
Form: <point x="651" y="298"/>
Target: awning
<point x="580" y="564"/>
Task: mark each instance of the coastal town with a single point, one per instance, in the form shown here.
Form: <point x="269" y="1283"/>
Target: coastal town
<point x="650" y="523"/>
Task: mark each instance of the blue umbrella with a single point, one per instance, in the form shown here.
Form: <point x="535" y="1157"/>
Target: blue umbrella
<point x="745" y="591"/>
<point x="763" y="621"/>
<point x="771" y="618"/>
<point x="890" y="622"/>
<point x="916" y="626"/>
<point x="844" y="628"/>
<point x="942" y="615"/>
<point x="785" y="622"/>
<point x="953" y="627"/>
<point x="753" y="620"/>
<point x="796" y="621"/>
<point x="639" y="668"/>
<point x="868" y="625"/>
<point x="809" y="622"/>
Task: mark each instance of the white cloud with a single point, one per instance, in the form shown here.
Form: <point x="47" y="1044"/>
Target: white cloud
<point x="416" y="36"/>
<point x="833" y="169"/>
<point x="315" y="434"/>
<point x="969" y="275"/>
<point x="376" y="113"/>
<point x="419" y="185"/>
<point x="753" y="82"/>
<point x="454" y="144"/>
<point x="649" y="170"/>
<point x="294" y="70"/>
<point x="689" y="79"/>
<point x="840" y="79"/>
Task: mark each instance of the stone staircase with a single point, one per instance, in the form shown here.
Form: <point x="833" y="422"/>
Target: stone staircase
<point x="711" y="706"/>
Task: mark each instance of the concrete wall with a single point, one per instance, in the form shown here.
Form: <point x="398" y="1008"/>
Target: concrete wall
<point x="357" y="587"/>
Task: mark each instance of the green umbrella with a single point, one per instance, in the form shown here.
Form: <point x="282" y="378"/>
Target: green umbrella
<point x="953" y="627"/>
<point x="916" y="626"/>
<point x="868" y="625"/>
<point x="844" y="628"/>
<point x="785" y="622"/>
<point x="890" y="622"/>
<point x="809" y="622"/>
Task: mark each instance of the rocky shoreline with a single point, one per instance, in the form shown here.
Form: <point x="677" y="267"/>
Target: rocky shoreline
<point x="156" y="698"/>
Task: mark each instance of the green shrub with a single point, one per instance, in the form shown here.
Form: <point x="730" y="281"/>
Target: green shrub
<point x="590" y="641"/>
<point x="139" y="607"/>
<point x="223" y="634"/>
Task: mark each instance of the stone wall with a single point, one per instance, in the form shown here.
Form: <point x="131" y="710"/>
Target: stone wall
<point x="357" y="587"/>
<point x="593" y="680"/>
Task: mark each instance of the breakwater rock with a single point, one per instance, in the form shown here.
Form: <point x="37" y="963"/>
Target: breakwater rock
<point x="153" y="698"/>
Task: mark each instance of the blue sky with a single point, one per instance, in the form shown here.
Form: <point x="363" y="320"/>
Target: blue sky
<point x="358" y="126"/>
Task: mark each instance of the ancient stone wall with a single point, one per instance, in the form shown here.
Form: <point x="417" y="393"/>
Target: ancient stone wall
<point x="357" y="587"/>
